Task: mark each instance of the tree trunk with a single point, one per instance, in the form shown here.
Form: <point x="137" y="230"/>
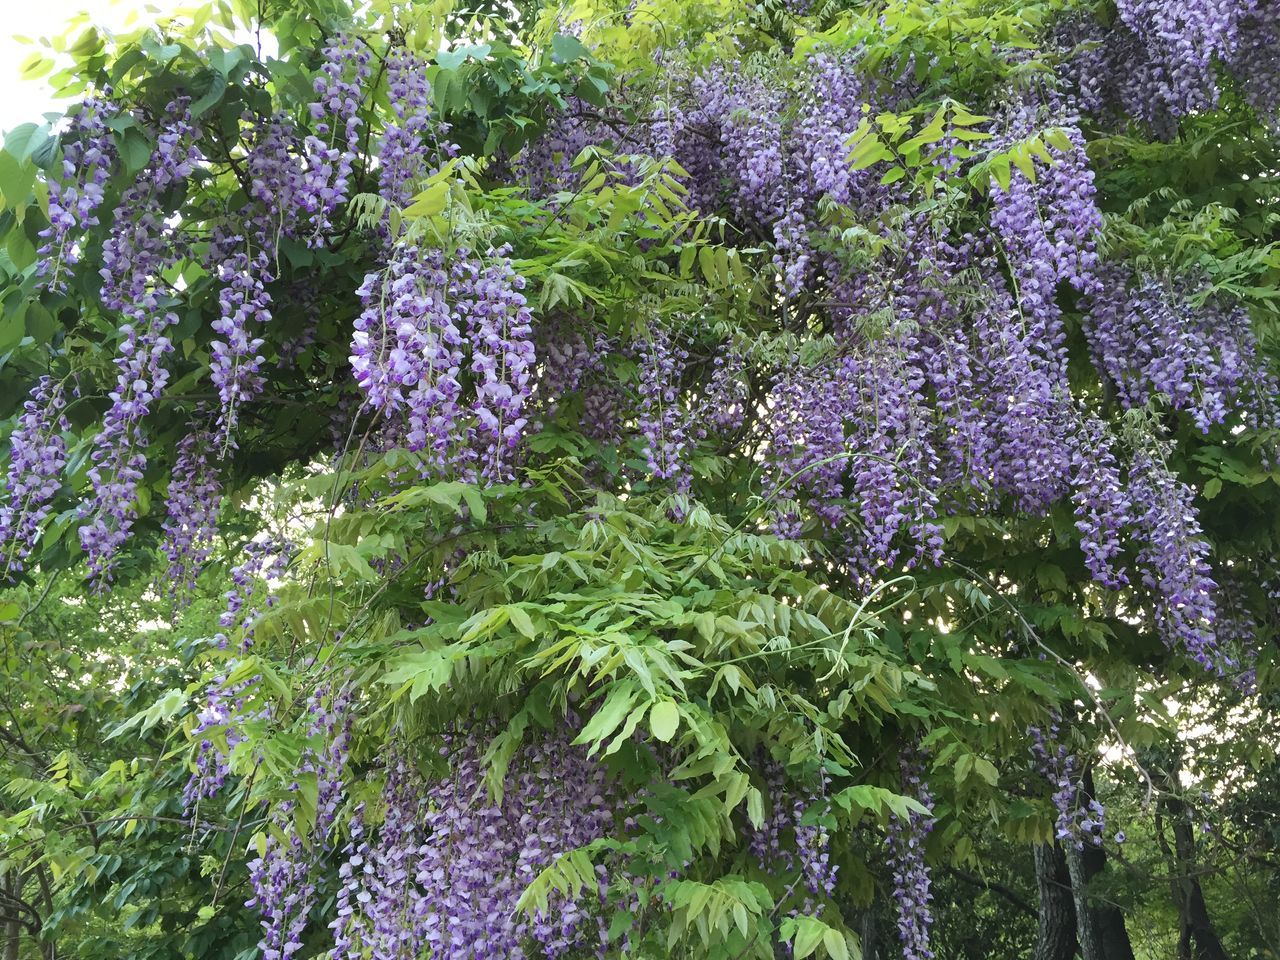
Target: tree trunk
<point x="1197" y="940"/>
<point x="1086" y="929"/>
<point x="867" y="933"/>
<point x="1056" y="937"/>
<point x="1108" y="918"/>
<point x="13" y="929"/>
<point x="1197" y="927"/>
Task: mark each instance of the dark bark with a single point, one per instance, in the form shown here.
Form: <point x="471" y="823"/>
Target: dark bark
<point x="13" y="929"/>
<point x="1197" y="938"/>
<point x="1108" y="918"/>
<point x="1056" y="937"/>
<point x="1090" y="941"/>
<point x="867" y="932"/>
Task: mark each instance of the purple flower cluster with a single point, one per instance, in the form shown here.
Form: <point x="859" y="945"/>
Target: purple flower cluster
<point x="1183" y="40"/>
<point x="487" y="296"/>
<point x="407" y="351"/>
<point x="223" y="709"/>
<point x="1173" y="557"/>
<point x="276" y="186"/>
<point x="857" y="430"/>
<point x="1048" y="226"/>
<point x="546" y="163"/>
<point x="663" y="419"/>
<point x="1256" y="64"/>
<point x="911" y="879"/>
<point x="142" y="246"/>
<point x="331" y="150"/>
<point x="119" y="456"/>
<point x="1153" y="338"/>
<point x="413" y="146"/>
<point x="442" y="875"/>
<point x="192" y="509"/>
<point x="282" y="878"/>
<point x="88" y="160"/>
<point x="224" y="706"/>
<point x="811" y="851"/>
<point x="1079" y="821"/>
<point x="1242" y="624"/>
<point x="1161" y="61"/>
<point x="264" y="559"/>
<point x="37" y="456"/>
<point x="724" y="408"/>
<point x="1102" y="503"/>
<point x="245" y="306"/>
<point x="408" y="357"/>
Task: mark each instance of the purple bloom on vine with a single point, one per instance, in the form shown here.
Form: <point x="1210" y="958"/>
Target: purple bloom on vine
<point x="37" y="456"/>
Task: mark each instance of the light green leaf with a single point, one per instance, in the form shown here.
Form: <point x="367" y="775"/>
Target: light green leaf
<point x="664" y="719"/>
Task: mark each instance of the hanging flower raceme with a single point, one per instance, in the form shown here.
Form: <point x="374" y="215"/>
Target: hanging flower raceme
<point x="119" y="449"/>
<point x="192" y="507"/>
<point x="1080" y="820"/>
<point x="235" y="364"/>
<point x="487" y="296"/>
<point x="276" y="183"/>
<point x="408" y="357"/>
<point x="406" y="352"/>
<point x="1173" y="557"/>
<point x="264" y="560"/>
<point x="283" y="877"/>
<point x="330" y="151"/>
<point x="141" y="248"/>
<point x="444" y="871"/>
<point x="911" y="879"/>
<point x="414" y="145"/>
<point x="1048" y="226"/>
<point x="1103" y="505"/>
<point x="225" y="705"/>
<point x="37" y="456"/>
<point x="88" y="160"/>
<point x="663" y="419"/>
<point x="811" y="851"/>
<point x="1184" y="39"/>
<point x="223" y="710"/>
<point x="1152" y="338"/>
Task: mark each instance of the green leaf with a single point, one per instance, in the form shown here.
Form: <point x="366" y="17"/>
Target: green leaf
<point x="450" y="60"/>
<point x="24" y="139"/>
<point x="429" y="202"/>
<point x="214" y="85"/>
<point x="986" y="770"/>
<point x="835" y="944"/>
<point x="664" y="720"/>
<point x="565" y="48"/>
<point x="809" y="933"/>
<point x="475" y="503"/>
<point x="16" y="179"/>
<point x="522" y="622"/>
<point x="424" y="671"/>
<point x="135" y="150"/>
<point x="605" y="720"/>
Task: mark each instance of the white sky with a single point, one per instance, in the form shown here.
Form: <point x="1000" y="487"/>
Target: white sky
<point x="22" y="101"/>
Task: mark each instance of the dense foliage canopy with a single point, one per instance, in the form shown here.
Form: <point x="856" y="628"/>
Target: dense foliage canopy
<point x="679" y="479"/>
